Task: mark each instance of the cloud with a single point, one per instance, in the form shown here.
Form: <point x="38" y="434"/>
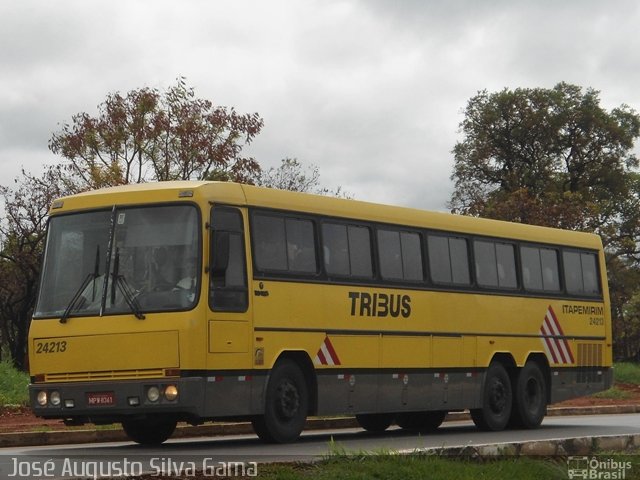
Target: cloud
<point x="370" y="91"/>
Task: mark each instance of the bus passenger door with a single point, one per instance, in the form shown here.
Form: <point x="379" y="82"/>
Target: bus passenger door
<point x="229" y="325"/>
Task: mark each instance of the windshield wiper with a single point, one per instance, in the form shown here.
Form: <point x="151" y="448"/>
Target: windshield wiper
<point x="130" y="297"/>
<point x="92" y="276"/>
<point x="125" y="289"/>
<point x="74" y="300"/>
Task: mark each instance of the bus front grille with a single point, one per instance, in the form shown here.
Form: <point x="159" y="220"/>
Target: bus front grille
<point x="107" y="375"/>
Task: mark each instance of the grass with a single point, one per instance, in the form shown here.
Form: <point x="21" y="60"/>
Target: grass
<point x="614" y="393"/>
<point x="384" y="465"/>
<point x="417" y="466"/>
<point x="623" y="372"/>
<point x="13" y="385"/>
<point x="627" y="372"/>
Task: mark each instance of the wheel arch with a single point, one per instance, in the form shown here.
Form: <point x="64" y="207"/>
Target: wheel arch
<point x="506" y="359"/>
<point x="508" y="362"/>
<point x="303" y="361"/>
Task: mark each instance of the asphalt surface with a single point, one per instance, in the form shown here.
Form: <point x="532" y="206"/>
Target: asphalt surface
<point x="92" y="435"/>
<point x="558" y="435"/>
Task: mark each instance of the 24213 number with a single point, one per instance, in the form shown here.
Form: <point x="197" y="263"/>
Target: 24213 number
<point x="51" y="347"/>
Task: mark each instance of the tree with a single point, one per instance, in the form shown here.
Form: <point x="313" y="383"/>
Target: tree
<point x="292" y="175"/>
<point x="555" y="150"/>
<point x="21" y="243"/>
<point x="624" y="285"/>
<point x="152" y="135"/>
<point x="555" y="157"/>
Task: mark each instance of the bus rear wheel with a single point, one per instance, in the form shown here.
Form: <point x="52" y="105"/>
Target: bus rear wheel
<point x="375" y="422"/>
<point x="530" y="397"/>
<point x="150" y="430"/>
<point x="497" y="397"/>
<point x="286" y="405"/>
<point x="421" y="421"/>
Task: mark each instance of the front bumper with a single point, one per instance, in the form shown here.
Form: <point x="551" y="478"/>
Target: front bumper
<point x="108" y="402"/>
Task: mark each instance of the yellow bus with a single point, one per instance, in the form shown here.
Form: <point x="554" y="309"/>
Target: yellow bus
<point x="199" y="301"/>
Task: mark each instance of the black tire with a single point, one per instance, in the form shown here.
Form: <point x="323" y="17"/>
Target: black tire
<point x="497" y="400"/>
<point x="375" y="422"/>
<point x="149" y="431"/>
<point x="421" y="421"/>
<point x="529" y="397"/>
<point x="286" y="405"/>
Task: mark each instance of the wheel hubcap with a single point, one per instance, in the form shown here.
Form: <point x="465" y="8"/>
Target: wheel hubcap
<point x="498" y="397"/>
<point x="288" y="400"/>
<point x="532" y="394"/>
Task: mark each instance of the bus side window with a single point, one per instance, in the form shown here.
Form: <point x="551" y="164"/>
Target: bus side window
<point x="227" y="265"/>
<point x="581" y="273"/>
<point x="495" y="264"/>
<point x="283" y="245"/>
<point x="347" y="250"/>
<point x="506" y="261"/>
<point x="550" y="273"/>
<point x="572" y="272"/>
<point x="589" y="274"/>
<point x="400" y="255"/>
<point x="539" y="269"/>
<point x="448" y="260"/>
<point x="486" y="264"/>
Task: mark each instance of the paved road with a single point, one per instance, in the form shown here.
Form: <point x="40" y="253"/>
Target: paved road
<point x="312" y="445"/>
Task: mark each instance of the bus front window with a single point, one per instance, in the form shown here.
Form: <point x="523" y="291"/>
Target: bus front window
<point x="151" y="254"/>
<point x="155" y="253"/>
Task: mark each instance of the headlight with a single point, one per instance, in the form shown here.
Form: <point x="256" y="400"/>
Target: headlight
<point x="171" y="393"/>
<point x="153" y="394"/>
<point x="42" y="398"/>
<point x="54" y="398"/>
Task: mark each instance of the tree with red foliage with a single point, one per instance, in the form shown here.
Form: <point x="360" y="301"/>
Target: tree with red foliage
<point x="148" y="135"/>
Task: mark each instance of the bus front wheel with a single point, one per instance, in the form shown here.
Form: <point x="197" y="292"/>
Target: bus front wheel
<point x="286" y="405"/>
<point x="497" y="397"/>
<point x="149" y="431"/>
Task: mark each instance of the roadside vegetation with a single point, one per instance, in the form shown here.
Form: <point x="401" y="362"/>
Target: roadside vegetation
<point x="357" y="465"/>
<point x="435" y="467"/>
<point x="13" y="385"/>
<point x="614" y="393"/>
<point x="438" y="467"/>
<point x="627" y="372"/>
<point x="406" y="467"/>
<point x="623" y="372"/>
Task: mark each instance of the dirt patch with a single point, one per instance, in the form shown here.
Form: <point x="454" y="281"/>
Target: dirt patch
<point x="631" y="392"/>
<point x="21" y="419"/>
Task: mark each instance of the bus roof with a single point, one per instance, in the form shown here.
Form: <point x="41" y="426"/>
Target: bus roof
<point x="246" y="195"/>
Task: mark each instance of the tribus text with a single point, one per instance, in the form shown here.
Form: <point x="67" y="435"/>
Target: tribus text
<point x="380" y="304"/>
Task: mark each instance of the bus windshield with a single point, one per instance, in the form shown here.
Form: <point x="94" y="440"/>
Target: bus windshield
<point x="150" y="254"/>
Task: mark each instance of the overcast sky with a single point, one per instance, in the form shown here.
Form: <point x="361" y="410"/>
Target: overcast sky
<point x="370" y="91"/>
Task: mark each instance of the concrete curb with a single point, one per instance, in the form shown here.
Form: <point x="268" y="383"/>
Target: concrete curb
<point x="23" y="439"/>
<point x="567" y="411"/>
<point x="580" y="446"/>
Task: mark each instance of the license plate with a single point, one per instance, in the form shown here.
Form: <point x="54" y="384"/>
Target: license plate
<point x="100" y="399"/>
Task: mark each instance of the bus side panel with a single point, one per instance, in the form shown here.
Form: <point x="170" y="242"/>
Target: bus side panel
<point x="234" y="394"/>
